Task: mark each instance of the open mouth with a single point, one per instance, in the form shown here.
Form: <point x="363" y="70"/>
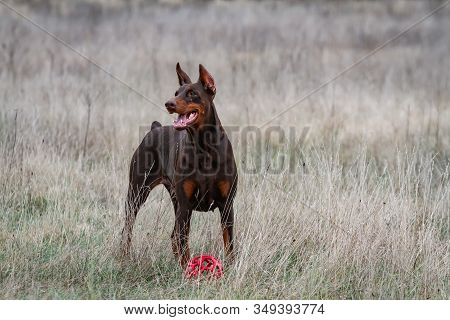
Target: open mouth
<point x="184" y="120"/>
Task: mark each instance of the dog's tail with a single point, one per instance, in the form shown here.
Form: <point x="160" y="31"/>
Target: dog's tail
<point x="156" y="124"/>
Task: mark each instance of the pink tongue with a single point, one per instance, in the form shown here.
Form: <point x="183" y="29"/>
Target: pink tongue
<point x="181" y="121"/>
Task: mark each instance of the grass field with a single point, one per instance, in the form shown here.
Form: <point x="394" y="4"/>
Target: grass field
<point x="362" y="214"/>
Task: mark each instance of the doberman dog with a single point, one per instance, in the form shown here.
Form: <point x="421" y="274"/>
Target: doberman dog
<point x="194" y="161"/>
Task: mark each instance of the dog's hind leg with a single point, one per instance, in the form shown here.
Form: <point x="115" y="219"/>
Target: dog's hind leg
<point x="144" y="176"/>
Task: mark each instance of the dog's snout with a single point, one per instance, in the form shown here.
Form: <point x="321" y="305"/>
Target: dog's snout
<point x="170" y="105"/>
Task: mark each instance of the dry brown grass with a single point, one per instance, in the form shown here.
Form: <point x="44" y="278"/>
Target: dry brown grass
<point x="364" y="215"/>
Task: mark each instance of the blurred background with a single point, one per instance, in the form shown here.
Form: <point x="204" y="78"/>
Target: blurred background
<point x="263" y="55"/>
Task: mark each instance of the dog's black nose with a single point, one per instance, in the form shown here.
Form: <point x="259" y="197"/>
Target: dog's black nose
<point x="170" y="105"/>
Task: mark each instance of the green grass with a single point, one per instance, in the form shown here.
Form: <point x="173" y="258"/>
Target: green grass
<point x="52" y="254"/>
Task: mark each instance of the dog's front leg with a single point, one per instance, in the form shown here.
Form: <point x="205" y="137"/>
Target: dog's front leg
<point x="180" y="236"/>
<point x="227" y="221"/>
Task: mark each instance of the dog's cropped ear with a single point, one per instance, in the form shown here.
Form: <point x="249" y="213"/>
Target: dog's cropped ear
<point x="207" y="80"/>
<point x="183" y="78"/>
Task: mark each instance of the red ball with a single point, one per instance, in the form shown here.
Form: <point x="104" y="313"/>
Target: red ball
<point x="205" y="265"/>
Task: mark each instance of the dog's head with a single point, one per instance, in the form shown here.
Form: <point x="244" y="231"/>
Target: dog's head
<point x="192" y="101"/>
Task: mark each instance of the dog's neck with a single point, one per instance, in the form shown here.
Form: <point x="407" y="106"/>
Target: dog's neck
<point x="210" y="134"/>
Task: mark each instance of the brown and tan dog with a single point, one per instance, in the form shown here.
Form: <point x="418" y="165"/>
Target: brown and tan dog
<point x="194" y="161"/>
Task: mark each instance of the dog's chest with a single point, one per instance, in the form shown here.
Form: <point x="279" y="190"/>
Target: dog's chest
<point x="201" y="183"/>
<point x="192" y="160"/>
<point x="205" y="195"/>
<point x="203" y="176"/>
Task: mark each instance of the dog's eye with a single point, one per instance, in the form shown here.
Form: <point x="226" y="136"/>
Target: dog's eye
<point x="191" y="93"/>
<point x="176" y="93"/>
